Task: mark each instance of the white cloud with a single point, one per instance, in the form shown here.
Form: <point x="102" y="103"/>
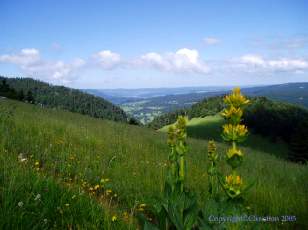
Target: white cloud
<point x="253" y="60"/>
<point x="107" y="60"/>
<point x="211" y="41"/>
<point x="31" y="63"/>
<point x="282" y="64"/>
<point x="183" y="60"/>
<point x="24" y="57"/>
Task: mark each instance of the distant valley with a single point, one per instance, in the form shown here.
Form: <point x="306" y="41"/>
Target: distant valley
<point x="145" y="104"/>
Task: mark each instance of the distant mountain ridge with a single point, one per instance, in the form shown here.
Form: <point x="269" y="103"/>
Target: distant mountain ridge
<point x="61" y="97"/>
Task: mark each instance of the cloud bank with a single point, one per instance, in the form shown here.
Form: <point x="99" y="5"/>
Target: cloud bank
<point x="183" y="61"/>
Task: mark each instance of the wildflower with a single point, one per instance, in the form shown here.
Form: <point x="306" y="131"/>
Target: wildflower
<point x="234" y="132"/>
<point x="37" y="164"/>
<point x="20" y="204"/>
<point x="108" y="191"/>
<point x="105" y="180"/>
<point x="236" y="99"/>
<point x="212" y="151"/>
<point x="234" y="157"/>
<point x="114" y="218"/>
<point x="142" y="205"/>
<point x="233" y="185"/>
<point x="96" y="187"/>
<point x="125" y="215"/>
<point x="38" y="197"/>
<point x="67" y="205"/>
<point x="233" y="151"/>
<point x="171" y="136"/>
<point x="21" y="158"/>
<point x="233" y="114"/>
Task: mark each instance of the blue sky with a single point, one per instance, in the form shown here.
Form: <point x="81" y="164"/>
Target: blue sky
<point x="132" y="44"/>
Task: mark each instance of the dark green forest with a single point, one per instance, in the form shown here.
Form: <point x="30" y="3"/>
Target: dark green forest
<point x="59" y="97"/>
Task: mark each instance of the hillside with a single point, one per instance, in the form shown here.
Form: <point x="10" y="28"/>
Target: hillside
<point x="210" y="128"/>
<point x="277" y="121"/>
<point x="63" y="156"/>
<point x="60" y="97"/>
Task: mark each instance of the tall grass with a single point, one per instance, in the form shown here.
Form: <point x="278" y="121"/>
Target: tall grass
<point x="73" y="150"/>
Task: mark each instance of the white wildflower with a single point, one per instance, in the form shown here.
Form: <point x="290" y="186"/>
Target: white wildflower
<point x="38" y="197"/>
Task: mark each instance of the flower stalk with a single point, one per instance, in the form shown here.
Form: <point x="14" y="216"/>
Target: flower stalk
<point x="234" y="133"/>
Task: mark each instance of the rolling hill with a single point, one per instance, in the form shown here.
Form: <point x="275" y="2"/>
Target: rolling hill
<point x="65" y="170"/>
<point x="60" y="97"/>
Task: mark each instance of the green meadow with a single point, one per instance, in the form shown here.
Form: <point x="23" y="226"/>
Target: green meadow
<point x="61" y="170"/>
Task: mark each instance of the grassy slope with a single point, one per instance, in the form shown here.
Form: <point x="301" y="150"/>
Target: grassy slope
<point x="73" y="148"/>
<point x="209" y="127"/>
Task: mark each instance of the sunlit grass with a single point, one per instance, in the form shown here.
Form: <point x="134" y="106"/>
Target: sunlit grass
<point x="73" y="150"/>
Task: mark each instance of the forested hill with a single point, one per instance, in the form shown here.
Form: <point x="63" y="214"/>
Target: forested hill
<point x="272" y="119"/>
<point x="37" y="92"/>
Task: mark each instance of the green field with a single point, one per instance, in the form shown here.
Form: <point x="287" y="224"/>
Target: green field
<point x="75" y="153"/>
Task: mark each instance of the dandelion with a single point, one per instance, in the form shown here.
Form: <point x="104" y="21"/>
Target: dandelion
<point x="114" y="218"/>
<point x="20" y="204"/>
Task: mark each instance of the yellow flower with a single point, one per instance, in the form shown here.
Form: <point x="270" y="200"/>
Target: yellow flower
<point x="233" y="181"/>
<point x="142" y="205"/>
<point x="114" y="218"/>
<point x="229" y="179"/>
<point x="233" y="151"/>
<point x="105" y="180"/>
<point x="125" y="215"/>
<point x="234" y="132"/>
<point x="238" y="180"/>
<point x="232" y="112"/>
<point x="236" y="99"/>
<point x="108" y="191"/>
<point x="96" y="187"/>
<point x="37" y="163"/>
